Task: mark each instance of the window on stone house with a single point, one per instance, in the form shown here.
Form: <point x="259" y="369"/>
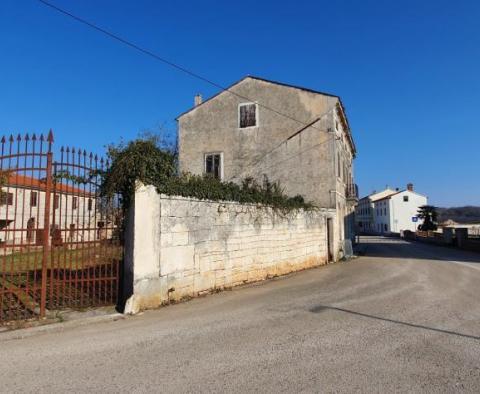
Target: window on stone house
<point x="405" y="198"/>
<point x="213" y="164"/>
<point x="56" y="202"/>
<point x="74" y="203"/>
<point x="247" y="114"/>
<point x="90" y="204"/>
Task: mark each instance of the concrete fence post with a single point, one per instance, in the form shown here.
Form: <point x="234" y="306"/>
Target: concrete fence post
<point x="448" y="235"/>
<point x="462" y="237"/>
<point x="142" y="257"/>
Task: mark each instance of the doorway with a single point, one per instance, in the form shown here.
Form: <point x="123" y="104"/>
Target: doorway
<point x="330" y="239"/>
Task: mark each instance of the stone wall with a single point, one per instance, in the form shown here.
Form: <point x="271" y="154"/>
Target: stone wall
<point x="182" y="247"/>
<point x="456" y="237"/>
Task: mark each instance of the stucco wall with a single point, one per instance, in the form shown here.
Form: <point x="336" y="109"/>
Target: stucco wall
<point x="184" y="247"/>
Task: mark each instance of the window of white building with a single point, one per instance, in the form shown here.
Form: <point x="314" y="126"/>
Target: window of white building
<point x="33" y="199"/>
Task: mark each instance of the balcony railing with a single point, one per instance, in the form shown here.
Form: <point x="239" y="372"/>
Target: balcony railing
<point x="351" y="191"/>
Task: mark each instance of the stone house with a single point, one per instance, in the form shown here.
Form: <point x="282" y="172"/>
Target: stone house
<point x="265" y="129"/>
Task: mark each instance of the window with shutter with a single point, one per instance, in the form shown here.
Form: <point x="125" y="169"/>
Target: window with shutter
<point x="247" y="115"/>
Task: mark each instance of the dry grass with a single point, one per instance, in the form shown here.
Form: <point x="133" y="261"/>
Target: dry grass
<point x="59" y="257"/>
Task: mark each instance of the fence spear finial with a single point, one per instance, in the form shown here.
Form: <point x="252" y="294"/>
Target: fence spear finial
<point x="50" y="136"/>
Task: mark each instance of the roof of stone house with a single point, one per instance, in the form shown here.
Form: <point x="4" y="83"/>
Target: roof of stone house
<point x="27" y="182"/>
<point x="343" y="112"/>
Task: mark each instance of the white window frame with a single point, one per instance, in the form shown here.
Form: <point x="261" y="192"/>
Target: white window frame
<point x="257" y="116"/>
<point x="205" y="162"/>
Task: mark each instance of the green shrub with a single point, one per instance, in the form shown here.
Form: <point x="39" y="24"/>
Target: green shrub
<point x="141" y="160"/>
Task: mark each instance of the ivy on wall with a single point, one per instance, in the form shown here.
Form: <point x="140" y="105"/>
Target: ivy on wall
<point x="146" y="161"/>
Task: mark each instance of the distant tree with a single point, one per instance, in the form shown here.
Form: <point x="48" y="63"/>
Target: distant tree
<point x="467" y="214"/>
<point x="428" y="213"/>
<point x="3" y="183"/>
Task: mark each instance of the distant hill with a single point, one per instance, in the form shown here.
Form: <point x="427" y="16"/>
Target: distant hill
<point x="468" y="214"/>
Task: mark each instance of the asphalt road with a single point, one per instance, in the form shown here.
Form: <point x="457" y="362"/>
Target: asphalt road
<point x="405" y="317"/>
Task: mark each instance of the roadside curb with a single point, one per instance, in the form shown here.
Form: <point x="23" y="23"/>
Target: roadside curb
<point x="48" y="328"/>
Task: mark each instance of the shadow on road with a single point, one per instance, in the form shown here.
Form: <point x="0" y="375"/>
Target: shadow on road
<point x="323" y="308"/>
<point x="377" y="246"/>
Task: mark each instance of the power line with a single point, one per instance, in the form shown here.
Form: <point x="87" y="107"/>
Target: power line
<point x="197" y="76"/>
<point x="166" y="61"/>
<point x="285" y="160"/>
<point x="255" y="162"/>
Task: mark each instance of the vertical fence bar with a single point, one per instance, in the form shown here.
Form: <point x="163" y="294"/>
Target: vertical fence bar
<point x="53" y="261"/>
<point x="46" y="224"/>
<point x="3" y="287"/>
<point x="36" y="211"/>
<point x="80" y="236"/>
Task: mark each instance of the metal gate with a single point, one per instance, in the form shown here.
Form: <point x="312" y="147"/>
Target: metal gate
<point x="60" y="241"/>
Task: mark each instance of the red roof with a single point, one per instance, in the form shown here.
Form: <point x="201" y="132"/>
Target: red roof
<point x="15" y="179"/>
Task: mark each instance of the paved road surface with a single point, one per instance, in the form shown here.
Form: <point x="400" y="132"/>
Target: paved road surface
<point x="405" y="317"/>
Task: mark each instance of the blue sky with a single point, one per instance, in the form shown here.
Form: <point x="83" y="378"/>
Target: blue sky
<point x="408" y="73"/>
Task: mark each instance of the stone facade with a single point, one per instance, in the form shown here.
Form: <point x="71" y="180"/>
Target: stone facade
<point x="310" y="151"/>
<point x="182" y="247"/>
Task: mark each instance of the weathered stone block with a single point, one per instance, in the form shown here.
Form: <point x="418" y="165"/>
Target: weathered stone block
<point x="176" y="259"/>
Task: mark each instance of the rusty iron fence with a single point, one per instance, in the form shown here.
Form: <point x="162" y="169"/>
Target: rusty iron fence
<point x="60" y="240"/>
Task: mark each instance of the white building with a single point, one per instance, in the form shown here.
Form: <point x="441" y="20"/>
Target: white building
<point x="364" y="218"/>
<point x="73" y="212"/>
<point x="390" y="211"/>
